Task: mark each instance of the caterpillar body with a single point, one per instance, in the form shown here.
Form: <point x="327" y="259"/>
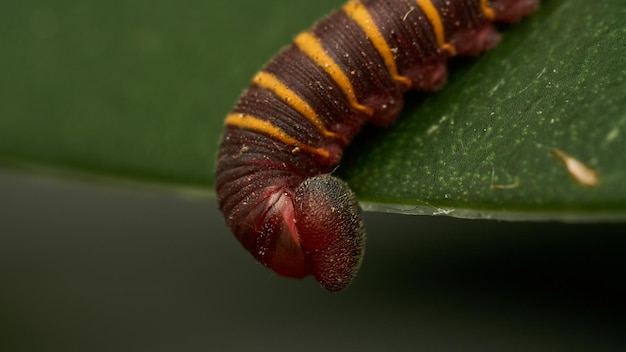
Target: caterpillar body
<point x="287" y="131"/>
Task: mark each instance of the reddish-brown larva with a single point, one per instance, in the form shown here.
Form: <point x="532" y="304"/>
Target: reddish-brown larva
<point x="288" y="129"/>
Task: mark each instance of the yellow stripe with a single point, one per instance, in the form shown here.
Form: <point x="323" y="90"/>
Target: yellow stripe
<point x="487" y="11"/>
<point x="270" y="82"/>
<point x="312" y="47"/>
<point x="359" y="14"/>
<point x="435" y="20"/>
<point x="252" y="123"/>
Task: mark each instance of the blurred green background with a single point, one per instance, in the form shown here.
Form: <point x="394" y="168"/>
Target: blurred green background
<point x="132" y="91"/>
<point x="88" y="267"/>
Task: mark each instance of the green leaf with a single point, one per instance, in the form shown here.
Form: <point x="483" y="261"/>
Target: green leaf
<point x="132" y="91"/>
<point x="485" y="145"/>
<point x="137" y="92"/>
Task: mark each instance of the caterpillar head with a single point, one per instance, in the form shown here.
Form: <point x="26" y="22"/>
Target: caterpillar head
<point x="331" y="232"/>
<point x="316" y="230"/>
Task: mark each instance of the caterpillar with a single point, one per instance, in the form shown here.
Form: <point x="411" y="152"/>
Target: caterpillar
<point x="287" y="131"/>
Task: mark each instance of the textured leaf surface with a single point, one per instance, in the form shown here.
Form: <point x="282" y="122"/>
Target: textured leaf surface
<point x="137" y="92"/>
<point x="485" y="145"/>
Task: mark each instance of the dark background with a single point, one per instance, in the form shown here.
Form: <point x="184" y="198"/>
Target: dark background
<point x="92" y="268"/>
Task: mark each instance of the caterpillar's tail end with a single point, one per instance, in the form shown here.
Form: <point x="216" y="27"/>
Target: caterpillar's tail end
<point x="331" y="232"/>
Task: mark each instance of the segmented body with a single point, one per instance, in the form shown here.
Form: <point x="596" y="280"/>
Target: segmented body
<point x="288" y="129"/>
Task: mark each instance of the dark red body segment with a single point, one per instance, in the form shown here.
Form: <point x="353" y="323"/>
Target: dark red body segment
<point x="273" y="181"/>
